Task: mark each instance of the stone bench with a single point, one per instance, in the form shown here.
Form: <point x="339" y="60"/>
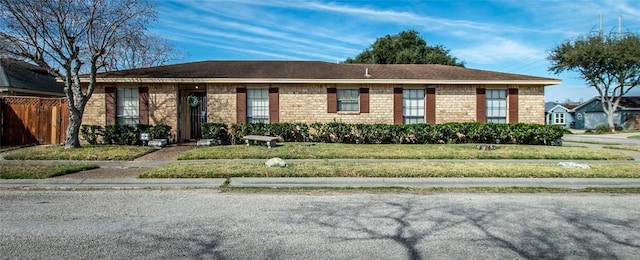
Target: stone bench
<point x="269" y="140"/>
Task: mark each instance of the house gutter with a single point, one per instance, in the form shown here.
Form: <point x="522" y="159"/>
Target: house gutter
<point x="13" y="91"/>
<point x="327" y="81"/>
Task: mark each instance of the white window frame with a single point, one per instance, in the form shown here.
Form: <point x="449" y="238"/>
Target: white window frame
<point x="496" y="105"/>
<point x="127" y="106"/>
<point x="413" y="105"/>
<point x="348" y="100"/>
<point x="558" y="118"/>
<point x="257" y="105"/>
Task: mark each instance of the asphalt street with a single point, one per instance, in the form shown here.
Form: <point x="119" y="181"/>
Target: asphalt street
<point x="206" y="224"/>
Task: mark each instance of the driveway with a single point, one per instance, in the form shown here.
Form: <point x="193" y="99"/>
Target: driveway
<point x="621" y="138"/>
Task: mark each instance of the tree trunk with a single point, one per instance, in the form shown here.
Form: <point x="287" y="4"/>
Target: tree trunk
<point x="610" y="117"/>
<point x="72" y="139"/>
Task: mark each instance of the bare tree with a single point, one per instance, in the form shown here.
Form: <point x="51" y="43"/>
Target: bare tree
<point x="70" y="37"/>
<point x="141" y="51"/>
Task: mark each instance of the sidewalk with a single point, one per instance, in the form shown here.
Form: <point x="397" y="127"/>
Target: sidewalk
<point x="131" y="183"/>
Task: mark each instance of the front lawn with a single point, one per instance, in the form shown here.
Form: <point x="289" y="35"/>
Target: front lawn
<point x="87" y="152"/>
<point x="40" y="171"/>
<point x="400" y="151"/>
<point x="393" y="169"/>
<point x="625" y="147"/>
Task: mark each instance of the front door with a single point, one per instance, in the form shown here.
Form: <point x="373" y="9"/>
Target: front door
<point x="193" y="113"/>
<point x="198" y="113"/>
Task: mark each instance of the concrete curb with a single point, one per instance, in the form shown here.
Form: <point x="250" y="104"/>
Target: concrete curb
<point x="112" y="183"/>
<point x="573" y="183"/>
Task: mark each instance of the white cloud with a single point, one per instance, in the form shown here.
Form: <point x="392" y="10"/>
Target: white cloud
<point x="497" y="50"/>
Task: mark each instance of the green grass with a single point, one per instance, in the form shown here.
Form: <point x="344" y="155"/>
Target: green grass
<point x="40" y="171"/>
<point x="87" y="152"/>
<point x="624" y="147"/>
<point x="634" y="136"/>
<point x="8" y="148"/>
<point x="403" y="151"/>
<point x="391" y="169"/>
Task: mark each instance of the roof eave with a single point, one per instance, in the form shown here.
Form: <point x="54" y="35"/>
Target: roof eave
<point x="31" y="92"/>
<point x="327" y="81"/>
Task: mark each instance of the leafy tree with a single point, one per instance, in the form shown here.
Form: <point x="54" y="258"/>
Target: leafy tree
<point x="69" y="38"/>
<point x="407" y="47"/>
<point x="610" y="64"/>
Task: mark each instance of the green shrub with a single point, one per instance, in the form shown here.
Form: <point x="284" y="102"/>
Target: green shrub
<point x="91" y="133"/>
<point x="338" y="132"/>
<point x="122" y="134"/>
<point x="217" y="131"/>
<point x="160" y="131"/>
<point x="603" y="129"/>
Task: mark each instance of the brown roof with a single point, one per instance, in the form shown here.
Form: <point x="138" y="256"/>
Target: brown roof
<point x="316" y="70"/>
<point x="630" y="102"/>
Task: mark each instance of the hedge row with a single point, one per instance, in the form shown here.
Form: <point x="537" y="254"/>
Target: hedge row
<point x="335" y="132"/>
<point x="122" y="134"/>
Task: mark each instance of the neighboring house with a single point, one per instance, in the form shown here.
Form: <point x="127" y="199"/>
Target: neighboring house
<point x="19" y="78"/>
<point x="185" y="95"/>
<point x="559" y="114"/>
<point x="590" y="115"/>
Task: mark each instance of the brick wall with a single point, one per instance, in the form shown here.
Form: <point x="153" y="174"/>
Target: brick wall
<point x="531" y="104"/>
<point x="455" y="103"/>
<point x="308" y="103"/>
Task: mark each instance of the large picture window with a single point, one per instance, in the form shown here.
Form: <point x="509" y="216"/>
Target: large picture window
<point x="257" y="105"/>
<point x="127" y="106"/>
<point x="348" y="100"/>
<point x="413" y="106"/>
<point x="496" y="105"/>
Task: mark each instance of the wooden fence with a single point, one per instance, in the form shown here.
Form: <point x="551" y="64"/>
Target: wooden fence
<point x="33" y="120"/>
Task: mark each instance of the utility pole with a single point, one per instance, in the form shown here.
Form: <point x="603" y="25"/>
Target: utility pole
<point x="600" y="31"/>
<point x="619" y="27"/>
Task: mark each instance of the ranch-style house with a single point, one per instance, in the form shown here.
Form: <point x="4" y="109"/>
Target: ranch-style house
<point x="185" y="95"/>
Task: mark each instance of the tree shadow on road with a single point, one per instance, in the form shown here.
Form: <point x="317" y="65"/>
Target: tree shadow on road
<point x="427" y="229"/>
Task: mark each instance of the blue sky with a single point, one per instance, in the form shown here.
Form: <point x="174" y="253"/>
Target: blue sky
<point x="511" y="36"/>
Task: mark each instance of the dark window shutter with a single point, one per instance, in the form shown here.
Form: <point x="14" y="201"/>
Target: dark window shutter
<point x="397" y="106"/>
<point x="332" y="100"/>
<point x="364" y="100"/>
<point x="274" y="105"/>
<point x="513" y="105"/>
<point x="143" y="105"/>
<point x="481" y="105"/>
<point x="241" y="105"/>
<point x="430" y="106"/>
<point x="110" y="105"/>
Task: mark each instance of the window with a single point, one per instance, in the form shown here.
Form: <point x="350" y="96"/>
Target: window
<point x="348" y="100"/>
<point x="558" y="118"/>
<point x="257" y="105"/>
<point x="413" y="106"/>
<point x="496" y="105"/>
<point x="127" y="106"/>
